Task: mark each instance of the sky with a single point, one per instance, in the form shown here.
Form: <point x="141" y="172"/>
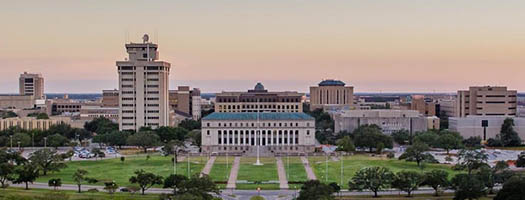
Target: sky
<point x="229" y="45"/>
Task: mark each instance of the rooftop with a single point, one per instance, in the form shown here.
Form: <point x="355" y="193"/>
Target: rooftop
<point x="331" y="82"/>
<point x="262" y="116"/>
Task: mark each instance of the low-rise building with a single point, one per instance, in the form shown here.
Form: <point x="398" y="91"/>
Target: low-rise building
<point x="484" y="126"/>
<point x="110" y="98"/>
<point x="30" y="123"/>
<point x="90" y="112"/>
<point x="486" y="101"/>
<point x="187" y="101"/>
<point x="389" y="120"/>
<point x="259" y="100"/>
<point x="17" y="101"/>
<point x="332" y="95"/>
<point x="274" y="133"/>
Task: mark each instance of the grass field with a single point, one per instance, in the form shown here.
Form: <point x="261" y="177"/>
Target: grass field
<point x="403" y="197"/>
<point x="295" y="170"/>
<point x="21" y="194"/>
<point x="354" y="163"/>
<point x="114" y="169"/>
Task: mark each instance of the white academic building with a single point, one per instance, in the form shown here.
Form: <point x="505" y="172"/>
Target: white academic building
<point x="274" y="133"/>
<point x="485" y="127"/>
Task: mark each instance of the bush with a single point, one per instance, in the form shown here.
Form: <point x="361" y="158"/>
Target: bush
<point x="390" y="155"/>
<point x="521" y="160"/>
<point x="494" y="142"/>
<point x="257" y="198"/>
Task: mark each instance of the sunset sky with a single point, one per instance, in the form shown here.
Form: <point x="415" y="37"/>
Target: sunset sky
<point x="373" y="45"/>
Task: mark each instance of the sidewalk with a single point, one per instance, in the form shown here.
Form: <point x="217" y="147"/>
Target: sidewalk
<point x="283" y="182"/>
<point x="232" y="181"/>
<point x="309" y="172"/>
<point x="206" y="170"/>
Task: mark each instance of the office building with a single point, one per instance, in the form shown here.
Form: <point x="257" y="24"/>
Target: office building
<point x="17" y="102"/>
<point x="447" y="107"/>
<point x="486" y="101"/>
<point x="143" y="87"/>
<point x="241" y="133"/>
<point x="32" y="85"/>
<point x="30" y="123"/>
<point x="332" y="95"/>
<point x="425" y="106"/>
<point x="259" y="99"/>
<point x="485" y="127"/>
<point x="389" y="120"/>
<point x="90" y="112"/>
<point x="184" y="100"/>
<point x="110" y="98"/>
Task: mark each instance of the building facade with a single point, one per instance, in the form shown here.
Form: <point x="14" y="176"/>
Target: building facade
<point x="259" y="100"/>
<point x="389" y="120"/>
<point x="274" y="133"/>
<point x="423" y="105"/>
<point x="30" y="123"/>
<point x="143" y="87"/>
<point x="32" y="85"/>
<point x="486" y="101"/>
<point x="110" y="98"/>
<point x="184" y="100"/>
<point x="331" y="94"/>
<point x="90" y="112"/>
<point x="17" y="102"/>
<point x="485" y="127"/>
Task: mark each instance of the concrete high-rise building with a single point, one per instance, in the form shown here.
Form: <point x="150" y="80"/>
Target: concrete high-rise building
<point x="32" y="85"/>
<point x="486" y="101"/>
<point x="143" y="87"/>
<point x="331" y="94"/>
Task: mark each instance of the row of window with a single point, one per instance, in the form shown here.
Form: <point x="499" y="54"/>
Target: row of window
<point x="261" y="100"/>
<point x="255" y="106"/>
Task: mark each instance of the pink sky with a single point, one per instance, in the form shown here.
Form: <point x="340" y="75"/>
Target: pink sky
<point x="388" y="46"/>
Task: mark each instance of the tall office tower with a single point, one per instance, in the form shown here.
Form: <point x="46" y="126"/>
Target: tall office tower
<point x="143" y="87"/>
<point x="486" y="101"/>
<point x="32" y="85"/>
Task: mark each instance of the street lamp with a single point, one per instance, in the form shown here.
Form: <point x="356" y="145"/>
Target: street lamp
<point x="11" y="137"/>
<point x="18" y="145"/>
<point x="45" y="142"/>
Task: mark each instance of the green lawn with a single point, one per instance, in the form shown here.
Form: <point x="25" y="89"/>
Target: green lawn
<point x="114" y="169"/>
<point x="294" y="170"/>
<point x="447" y="196"/>
<point x="250" y="172"/>
<point x="21" y="194"/>
<point x="354" y="163"/>
<point x="221" y="169"/>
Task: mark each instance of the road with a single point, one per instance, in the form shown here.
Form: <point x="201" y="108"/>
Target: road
<point x="232" y="194"/>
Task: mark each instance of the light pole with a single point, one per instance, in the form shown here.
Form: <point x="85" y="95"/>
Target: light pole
<point x="326" y="168"/>
<point x="33" y="140"/>
<point x="227" y="166"/>
<point x="174" y="162"/>
<point x="11" y="137"/>
<point x="45" y="142"/>
<point x="188" y="158"/>
<point x="341" y="157"/>
<point x="18" y="145"/>
<point x="257" y="135"/>
<point x="287" y="166"/>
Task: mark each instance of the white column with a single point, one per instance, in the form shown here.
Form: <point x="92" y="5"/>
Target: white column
<point x="271" y="138"/>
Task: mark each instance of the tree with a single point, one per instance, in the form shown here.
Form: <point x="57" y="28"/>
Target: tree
<point x="24" y="139"/>
<point x="402" y="137"/>
<point x="436" y="179"/>
<point x="336" y="188"/>
<point x="111" y="186"/>
<point x="491" y="176"/>
<point x="101" y="125"/>
<point x="520" y="162"/>
<point x="314" y="190"/>
<point x="80" y="176"/>
<point x="374" y="179"/>
<point x="449" y="140"/>
<point x="26" y="173"/>
<point x="175" y="182"/>
<point x="7" y="166"/>
<point x="195" y="137"/>
<point x="368" y="136"/>
<point x="473" y="142"/>
<point x="47" y="160"/>
<point x="55" y="183"/>
<point x="417" y="153"/>
<point x="512" y="189"/>
<point x="199" y="187"/>
<point x="467" y="186"/>
<point x="145" y="180"/>
<point x="167" y="133"/>
<point x="345" y="144"/>
<point x="122" y="159"/>
<point x="144" y="140"/>
<point x="173" y="148"/>
<point x="428" y="137"/>
<point x="9" y="114"/>
<point x="508" y="136"/>
<point x="407" y="181"/>
<point x="57" y="140"/>
<point x="190" y="124"/>
<point x="471" y="160"/>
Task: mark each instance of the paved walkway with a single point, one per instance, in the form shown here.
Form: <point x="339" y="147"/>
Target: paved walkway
<point x="309" y="172"/>
<point x="233" y="173"/>
<point x="283" y="182"/>
<point x="206" y="170"/>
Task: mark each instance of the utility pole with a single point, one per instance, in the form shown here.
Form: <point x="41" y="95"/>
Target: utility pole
<point x="326" y="167"/>
<point x="188" y="158"/>
<point x="45" y="142"/>
<point x="341" y="157"/>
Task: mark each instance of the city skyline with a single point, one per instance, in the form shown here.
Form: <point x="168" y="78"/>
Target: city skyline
<point x="401" y="46"/>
